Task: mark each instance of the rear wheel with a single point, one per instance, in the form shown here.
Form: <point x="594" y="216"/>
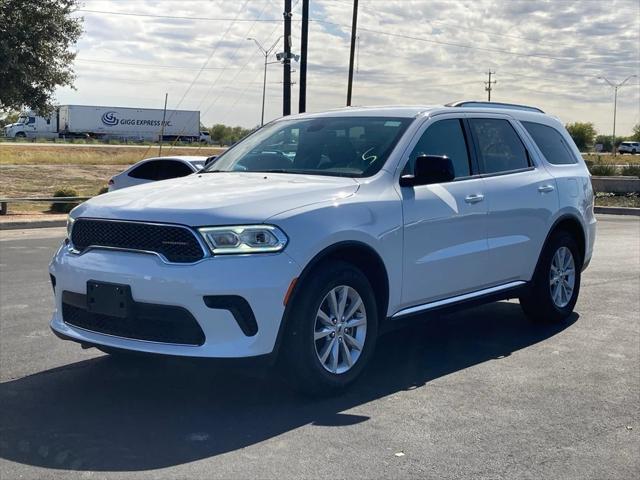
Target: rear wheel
<point x="556" y="283"/>
<point x="332" y="330"/>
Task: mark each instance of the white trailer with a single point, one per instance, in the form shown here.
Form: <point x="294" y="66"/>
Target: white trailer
<point x="87" y="121"/>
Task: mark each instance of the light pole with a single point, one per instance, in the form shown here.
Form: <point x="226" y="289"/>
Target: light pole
<point x="616" y="86"/>
<point x="266" y="53"/>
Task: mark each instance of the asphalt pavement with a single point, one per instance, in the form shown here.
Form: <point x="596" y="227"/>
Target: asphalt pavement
<point x="477" y="394"/>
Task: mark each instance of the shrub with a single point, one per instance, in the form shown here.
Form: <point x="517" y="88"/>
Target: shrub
<point x="103" y="190"/>
<point x="582" y="133"/>
<point x="64" y="207"/>
<point x="631" y="170"/>
<point x="603" y="170"/>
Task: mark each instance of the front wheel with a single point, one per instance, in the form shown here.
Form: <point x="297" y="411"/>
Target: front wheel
<point x="332" y="330"/>
<point x="556" y="283"/>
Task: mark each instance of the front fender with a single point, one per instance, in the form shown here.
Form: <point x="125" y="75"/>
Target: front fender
<point x="377" y="224"/>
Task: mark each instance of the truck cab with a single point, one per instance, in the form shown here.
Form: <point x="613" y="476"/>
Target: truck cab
<point x="31" y="125"/>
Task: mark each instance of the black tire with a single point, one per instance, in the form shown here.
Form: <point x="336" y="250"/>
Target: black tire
<point x="537" y="303"/>
<point x="21" y="135"/>
<point x="298" y="360"/>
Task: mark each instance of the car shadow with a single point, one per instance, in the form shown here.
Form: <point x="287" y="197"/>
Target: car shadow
<point x="106" y="414"/>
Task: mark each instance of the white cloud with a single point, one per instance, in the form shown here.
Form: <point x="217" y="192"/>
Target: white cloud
<point x="547" y="53"/>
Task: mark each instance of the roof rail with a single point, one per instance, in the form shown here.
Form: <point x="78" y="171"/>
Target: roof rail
<point x="480" y="104"/>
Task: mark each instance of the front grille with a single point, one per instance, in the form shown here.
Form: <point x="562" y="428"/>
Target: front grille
<point x="175" y="243"/>
<point x="151" y="322"/>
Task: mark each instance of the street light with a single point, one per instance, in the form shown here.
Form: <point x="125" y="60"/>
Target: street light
<point x="616" y="86"/>
<point x="266" y="53"/>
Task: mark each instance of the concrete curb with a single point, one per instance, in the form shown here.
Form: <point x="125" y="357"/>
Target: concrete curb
<point x="618" y="210"/>
<point x="18" y="225"/>
<point x="616" y="184"/>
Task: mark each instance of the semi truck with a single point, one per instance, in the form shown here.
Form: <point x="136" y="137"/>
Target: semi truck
<point x="122" y="123"/>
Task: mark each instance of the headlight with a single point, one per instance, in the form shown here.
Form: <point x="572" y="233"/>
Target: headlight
<point x="244" y="239"/>
<point x="70" y="221"/>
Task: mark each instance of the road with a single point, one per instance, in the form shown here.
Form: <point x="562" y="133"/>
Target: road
<point x="482" y="393"/>
<point x="85" y="145"/>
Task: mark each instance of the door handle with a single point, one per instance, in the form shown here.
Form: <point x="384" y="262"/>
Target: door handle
<point x="474" y="198"/>
<point x="546" y="188"/>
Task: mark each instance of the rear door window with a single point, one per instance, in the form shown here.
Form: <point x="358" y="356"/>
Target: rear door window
<point x="551" y="143"/>
<point x="499" y="147"/>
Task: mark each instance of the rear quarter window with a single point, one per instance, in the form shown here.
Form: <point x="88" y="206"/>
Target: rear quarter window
<point x="146" y="171"/>
<point x="552" y="145"/>
<point x="172" y="169"/>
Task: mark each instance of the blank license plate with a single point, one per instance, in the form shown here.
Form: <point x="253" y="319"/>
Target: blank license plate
<point x="110" y="299"/>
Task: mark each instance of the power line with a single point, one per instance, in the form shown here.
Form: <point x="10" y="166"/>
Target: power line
<point x="178" y="17"/>
<point x="213" y="51"/>
<point x="232" y="81"/>
<point x="458" y="26"/>
<point x="380" y="32"/>
<point x="233" y="57"/>
<point x="472" y="47"/>
<point x="147" y="65"/>
<point x="204" y="65"/>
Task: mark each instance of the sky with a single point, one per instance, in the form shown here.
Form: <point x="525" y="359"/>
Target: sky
<point x="547" y="53"/>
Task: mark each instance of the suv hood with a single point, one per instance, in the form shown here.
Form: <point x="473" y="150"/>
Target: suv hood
<point x="217" y="198"/>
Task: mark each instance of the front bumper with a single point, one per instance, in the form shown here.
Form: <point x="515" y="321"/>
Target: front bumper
<point x="261" y="280"/>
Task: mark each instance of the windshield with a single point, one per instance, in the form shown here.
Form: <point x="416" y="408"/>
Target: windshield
<point x="338" y="146"/>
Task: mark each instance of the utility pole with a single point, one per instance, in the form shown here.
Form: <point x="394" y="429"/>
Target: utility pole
<point x="164" y="115"/>
<point x="266" y="52"/>
<point x="488" y="85"/>
<point x="304" y="40"/>
<point x="286" y="93"/>
<point x="616" y="86"/>
<point x="354" y="26"/>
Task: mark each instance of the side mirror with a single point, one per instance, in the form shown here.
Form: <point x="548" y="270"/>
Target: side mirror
<point x="429" y="169"/>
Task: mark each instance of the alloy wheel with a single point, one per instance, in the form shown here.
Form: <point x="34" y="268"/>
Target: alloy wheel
<point x="340" y="329"/>
<point x="562" y="277"/>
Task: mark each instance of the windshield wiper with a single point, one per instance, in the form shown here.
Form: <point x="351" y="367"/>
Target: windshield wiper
<point x="301" y="171"/>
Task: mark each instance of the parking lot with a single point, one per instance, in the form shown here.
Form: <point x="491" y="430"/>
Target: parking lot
<point x="482" y="393"/>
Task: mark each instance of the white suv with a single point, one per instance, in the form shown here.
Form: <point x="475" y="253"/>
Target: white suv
<point x="629" y="147"/>
<point x="313" y="234"/>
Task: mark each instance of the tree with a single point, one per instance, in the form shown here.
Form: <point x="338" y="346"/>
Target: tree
<point x="635" y="136"/>
<point x="35" y="56"/>
<point x="8" y="117"/>
<point x="225" y="135"/>
<point x="583" y="134"/>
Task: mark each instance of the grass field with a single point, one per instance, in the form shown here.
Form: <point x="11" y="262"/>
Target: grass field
<point x="90" y="155"/>
<point x="599" y="159"/>
<point x="39" y="170"/>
